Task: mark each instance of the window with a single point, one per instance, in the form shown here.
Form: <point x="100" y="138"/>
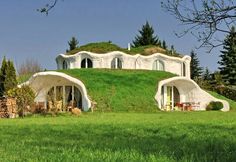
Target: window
<point x="184" y="70"/>
<point x="64" y="65"/>
<point x="158" y="65"/>
<point x="86" y="63"/>
<point x="116" y="63"/>
<point x="63" y="98"/>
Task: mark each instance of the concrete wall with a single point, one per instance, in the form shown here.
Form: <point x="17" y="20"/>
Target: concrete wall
<point x="171" y="64"/>
<point x="42" y="82"/>
<point x="189" y="92"/>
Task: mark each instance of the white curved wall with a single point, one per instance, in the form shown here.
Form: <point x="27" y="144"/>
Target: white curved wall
<point x="172" y="64"/>
<point x="189" y="92"/>
<point x="42" y="82"/>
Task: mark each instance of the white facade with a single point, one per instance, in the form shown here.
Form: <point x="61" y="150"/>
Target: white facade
<point x="42" y="82"/>
<point x="121" y="60"/>
<point x="188" y="92"/>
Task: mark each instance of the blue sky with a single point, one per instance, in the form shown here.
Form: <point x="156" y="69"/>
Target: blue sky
<point x="25" y="33"/>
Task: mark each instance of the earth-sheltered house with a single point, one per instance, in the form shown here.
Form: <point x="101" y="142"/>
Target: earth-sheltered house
<point x="175" y="93"/>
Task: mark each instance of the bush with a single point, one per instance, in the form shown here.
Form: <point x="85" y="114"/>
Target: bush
<point x="24" y="98"/>
<point x="229" y="92"/>
<point x="214" y="105"/>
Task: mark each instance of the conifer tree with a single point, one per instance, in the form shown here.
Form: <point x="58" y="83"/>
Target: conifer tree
<point x="206" y="75"/>
<point x="7" y="76"/>
<point x="164" y="46"/>
<point x="146" y="37"/>
<point x="10" y="81"/>
<point x="195" y="68"/>
<point x="3" y="76"/>
<point x="73" y="44"/>
<point x="228" y="58"/>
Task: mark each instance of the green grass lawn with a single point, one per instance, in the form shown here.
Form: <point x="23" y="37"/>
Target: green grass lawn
<point x="173" y="136"/>
<point x="121" y="90"/>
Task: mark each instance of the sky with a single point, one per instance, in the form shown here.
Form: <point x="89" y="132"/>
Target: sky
<point x="28" y="34"/>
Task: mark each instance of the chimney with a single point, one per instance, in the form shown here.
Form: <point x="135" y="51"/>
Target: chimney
<point x="129" y="46"/>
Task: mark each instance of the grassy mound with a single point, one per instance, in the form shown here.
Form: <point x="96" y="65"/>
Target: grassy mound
<point x="121" y="90"/>
<point x="162" y="137"/>
<point x="105" y="47"/>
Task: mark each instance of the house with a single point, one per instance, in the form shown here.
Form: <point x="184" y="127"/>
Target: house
<point x="179" y="92"/>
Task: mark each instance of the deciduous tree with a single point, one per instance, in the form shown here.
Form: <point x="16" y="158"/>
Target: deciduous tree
<point x="203" y="18"/>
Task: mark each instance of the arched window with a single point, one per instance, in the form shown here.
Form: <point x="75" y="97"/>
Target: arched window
<point x="86" y="63"/>
<point x="64" y="65"/>
<point x="184" y="70"/>
<point x="116" y="63"/>
<point x="158" y="65"/>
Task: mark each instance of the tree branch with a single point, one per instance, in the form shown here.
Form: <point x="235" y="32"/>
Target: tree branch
<point x="203" y="19"/>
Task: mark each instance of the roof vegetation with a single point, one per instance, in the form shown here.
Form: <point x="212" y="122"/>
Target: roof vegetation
<point x="121" y="90"/>
<point x="105" y="47"/>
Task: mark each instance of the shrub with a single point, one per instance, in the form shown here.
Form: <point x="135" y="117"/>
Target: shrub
<point x="229" y="92"/>
<point x="214" y="105"/>
<point x="24" y="98"/>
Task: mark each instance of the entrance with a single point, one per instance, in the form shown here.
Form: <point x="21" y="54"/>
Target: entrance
<point x="171" y="97"/>
<point x="64" y="98"/>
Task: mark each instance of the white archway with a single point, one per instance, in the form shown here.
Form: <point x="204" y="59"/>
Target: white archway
<point x="42" y="82"/>
<point x="189" y="91"/>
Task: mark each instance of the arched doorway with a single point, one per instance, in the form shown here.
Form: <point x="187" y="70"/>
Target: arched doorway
<point x="158" y="65"/>
<point x="86" y="63"/>
<point x="64" y="98"/>
<point x="116" y="63"/>
<point x="170" y="97"/>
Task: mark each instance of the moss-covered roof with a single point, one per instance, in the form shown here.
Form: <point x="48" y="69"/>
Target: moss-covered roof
<point x="105" y="47"/>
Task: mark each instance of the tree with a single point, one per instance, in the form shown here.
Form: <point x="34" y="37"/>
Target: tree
<point x="48" y="7"/>
<point x="24" y="97"/>
<point x="203" y="18"/>
<point x="195" y="68"/>
<point x="7" y="76"/>
<point x="3" y="76"/>
<point x="228" y="58"/>
<point x="164" y="46"/>
<point x="10" y="80"/>
<point x="73" y="44"/>
<point x="206" y="75"/>
<point x="146" y="37"/>
<point x="29" y="66"/>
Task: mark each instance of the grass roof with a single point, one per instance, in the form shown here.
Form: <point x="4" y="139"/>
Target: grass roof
<point x="105" y="47"/>
<point x="121" y="90"/>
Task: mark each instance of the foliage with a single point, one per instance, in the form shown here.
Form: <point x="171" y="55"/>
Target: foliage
<point x="104" y="47"/>
<point x="146" y="37"/>
<point x="195" y="69"/>
<point x="162" y="137"/>
<point x="3" y="76"/>
<point x="7" y="76"/>
<point x="227" y="91"/>
<point x="228" y="59"/>
<point x="29" y="67"/>
<point x="121" y="90"/>
<point x="73" y="44"/>
<point x="214" y="105"/>
<point x="204" y="18"/>
<point x="164" y="46"/>
<point x="24" y="97"/>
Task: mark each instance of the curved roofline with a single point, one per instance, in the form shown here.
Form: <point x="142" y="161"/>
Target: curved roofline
<point x="184" y="79"/>
<point x="186" y="57"/>
<point x="65" y="76"/>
